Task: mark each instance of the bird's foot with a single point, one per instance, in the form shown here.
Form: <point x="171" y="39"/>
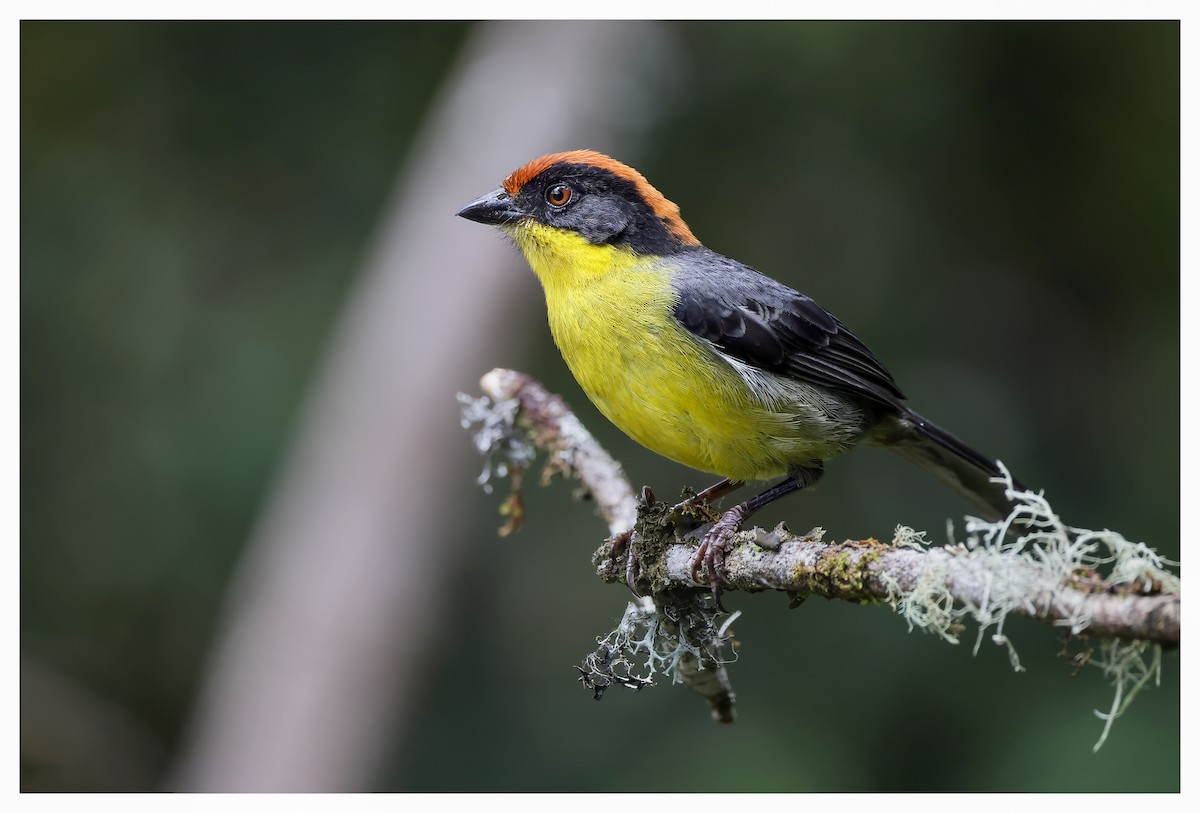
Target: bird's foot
<point x="710" y="556"/>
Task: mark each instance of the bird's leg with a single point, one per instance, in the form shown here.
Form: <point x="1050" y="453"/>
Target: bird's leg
<point x="711" y="553"/>
<point x="702" y="499"/>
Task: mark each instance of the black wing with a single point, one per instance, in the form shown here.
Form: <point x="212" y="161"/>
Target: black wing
<point x="763" y="323"/>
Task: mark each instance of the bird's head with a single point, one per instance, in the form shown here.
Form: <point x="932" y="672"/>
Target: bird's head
<point x="572" y="207"/>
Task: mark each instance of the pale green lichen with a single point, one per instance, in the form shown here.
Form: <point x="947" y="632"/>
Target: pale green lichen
<point x="1032" y="552"/>
<point x="495" y="437"/>
<point x="1128" y="671"/>
<point x="654" y="640"/>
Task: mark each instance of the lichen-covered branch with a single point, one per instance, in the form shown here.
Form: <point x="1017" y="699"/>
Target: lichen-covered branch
<point x="546" y="423"/>
<point x="1093" y="584"/>
<point x="870" y="571"/>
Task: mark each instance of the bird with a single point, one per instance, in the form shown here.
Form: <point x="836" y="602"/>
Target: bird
<point x="701" y="358"/>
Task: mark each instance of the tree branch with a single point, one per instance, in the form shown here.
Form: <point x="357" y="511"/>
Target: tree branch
<point x="1029" y="564"/>
<point x="869" y="571"/>
<point x="553" y="428"/>
<point x="1145" y="608"/>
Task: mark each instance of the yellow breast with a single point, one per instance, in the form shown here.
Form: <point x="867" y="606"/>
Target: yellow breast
<point x="611" y="314"/>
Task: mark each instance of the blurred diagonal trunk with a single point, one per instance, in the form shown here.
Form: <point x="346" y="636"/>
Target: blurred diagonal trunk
<point x="343" y="580"/>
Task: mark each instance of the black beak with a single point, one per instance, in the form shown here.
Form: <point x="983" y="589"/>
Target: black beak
<point x="495" y="209"/>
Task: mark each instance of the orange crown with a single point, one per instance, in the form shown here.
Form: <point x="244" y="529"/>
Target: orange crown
<point x="665" y="210"/>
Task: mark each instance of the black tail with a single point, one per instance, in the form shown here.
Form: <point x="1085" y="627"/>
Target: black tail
<point x="948" y="459"/>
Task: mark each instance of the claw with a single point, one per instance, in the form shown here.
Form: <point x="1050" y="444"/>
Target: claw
<point x="711" y="553"/>
<point x="698" y="560"/>
<point x="632" y="568"/>
<point x="622" y="546"/>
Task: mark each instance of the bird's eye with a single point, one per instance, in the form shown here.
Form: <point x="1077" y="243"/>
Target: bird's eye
<point x="558" y="195"/>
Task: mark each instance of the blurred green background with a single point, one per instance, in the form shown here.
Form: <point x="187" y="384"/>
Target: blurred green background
<point x="993" y="207"/>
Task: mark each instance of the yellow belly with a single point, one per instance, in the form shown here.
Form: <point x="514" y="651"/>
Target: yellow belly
<point x="668" y="390"/>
